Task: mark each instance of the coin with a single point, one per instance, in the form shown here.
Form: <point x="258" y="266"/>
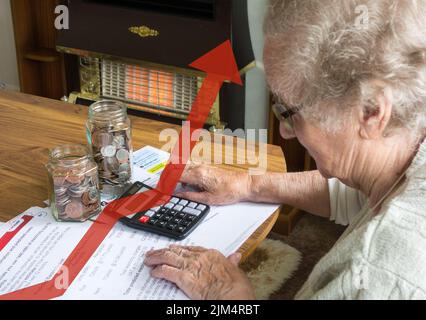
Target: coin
<point x="124" y="167"/>
<point x="94" y="181"/>
<point x="74" y="210"/>
<point x="85" y="199"/>
<point x="112" y="164"/>
<point x="60" y="190"/>
<point x="91" y="170"/>
<point x="74" y="179"/>
<point x="62" y="201"/>
<point x="77" y="191"/>
<point x="87" y="181"/>
<point x="93" y="193"/>
<point x="98" y="157"/>
<point x="110" y="182"/>
<point x="61" y="212"/>
<point x="109" y="151"/>
<point x="91" y="209"/>
<point x="122" y="155"/>
<point x="58" y="180"/>
<point x="123" y="175"/>
<point x="119" y="141"/>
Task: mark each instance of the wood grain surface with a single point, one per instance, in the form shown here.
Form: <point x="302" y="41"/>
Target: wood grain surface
<point x="30" y="126"/>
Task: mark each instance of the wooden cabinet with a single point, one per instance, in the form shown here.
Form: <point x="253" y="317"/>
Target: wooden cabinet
<point x="40" y="66"/>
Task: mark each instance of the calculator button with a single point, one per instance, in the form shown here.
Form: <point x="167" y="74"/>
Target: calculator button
<point x="174" y="200"/>
<point x="155" y="209"/>
<point x="163" y="211"/>
<point x="171" y="226"/>
<point x="201" y="207"/>
<point x="192" y="205"/>
<point x="144" y="219"/>
<point x="176" y="220"/>
<point x="167" y="217"/>
<point x="190" y="217"/>
<point x="173" y="212"/>
<point x="183" y="202"/>
<point x="178" y="207"/>
<point x="150" y="213"/>
<point x="169" y="205"/>
<point x="161" y="224"/>
<point x="158" y="216"/>
<point x="180" y="215"/>
<point x="195" y="212"/>
<point x="185" y="223"/>
<point x="153" y="221"/>
<point x="181" y="229"/>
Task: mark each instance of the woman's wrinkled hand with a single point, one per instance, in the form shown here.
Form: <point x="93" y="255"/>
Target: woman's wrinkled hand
<point x="201" y="273"/>
<point x="217" y="186"/>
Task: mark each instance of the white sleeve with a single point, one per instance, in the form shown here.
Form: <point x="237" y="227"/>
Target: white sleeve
<point x="345" y="202"/>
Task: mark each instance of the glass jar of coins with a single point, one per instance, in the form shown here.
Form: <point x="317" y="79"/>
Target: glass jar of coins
<point x="109" y="135"/>
<point x="73" y="183"/>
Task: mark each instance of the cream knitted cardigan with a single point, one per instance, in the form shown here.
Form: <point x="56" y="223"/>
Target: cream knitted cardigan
<point x="380" y="256"/>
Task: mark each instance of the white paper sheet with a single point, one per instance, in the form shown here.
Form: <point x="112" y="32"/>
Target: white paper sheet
<point x="36" y="251"/>
<point x="116" y="270"/>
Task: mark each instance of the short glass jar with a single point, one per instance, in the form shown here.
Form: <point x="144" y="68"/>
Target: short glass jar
<point x="109" y="135"/>
<point x="73" y="183"/>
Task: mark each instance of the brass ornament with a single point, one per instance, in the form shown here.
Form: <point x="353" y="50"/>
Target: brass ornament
<point x="144" y="31"/>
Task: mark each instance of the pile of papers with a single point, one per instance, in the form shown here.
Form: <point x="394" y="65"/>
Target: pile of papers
<point x="33" y="246"/>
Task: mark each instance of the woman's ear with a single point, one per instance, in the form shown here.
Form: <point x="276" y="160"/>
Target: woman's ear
<point x="375" y="115"/>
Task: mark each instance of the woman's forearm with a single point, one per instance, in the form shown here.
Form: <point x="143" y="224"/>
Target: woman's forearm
<point x="304" y="190"/>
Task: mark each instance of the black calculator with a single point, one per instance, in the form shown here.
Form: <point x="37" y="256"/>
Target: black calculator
<point x="175" y="219"/>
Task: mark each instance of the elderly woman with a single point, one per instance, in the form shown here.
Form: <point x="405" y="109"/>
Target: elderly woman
<point x="350" y="77"/>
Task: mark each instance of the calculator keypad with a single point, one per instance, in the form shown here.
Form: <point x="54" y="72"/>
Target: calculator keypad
<point x="178" y="215"/>
<point x="175" y="219"/>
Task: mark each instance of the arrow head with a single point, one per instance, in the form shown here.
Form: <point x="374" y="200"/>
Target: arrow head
<point x="221" y="62"/>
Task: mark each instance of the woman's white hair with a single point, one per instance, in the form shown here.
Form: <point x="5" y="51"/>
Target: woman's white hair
<point x="329" y="49"/>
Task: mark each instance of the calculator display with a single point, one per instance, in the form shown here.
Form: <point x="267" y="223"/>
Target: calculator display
<point x="136" y="190"/>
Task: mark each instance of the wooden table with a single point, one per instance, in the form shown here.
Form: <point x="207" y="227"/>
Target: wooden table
<point x="30" y="126"/>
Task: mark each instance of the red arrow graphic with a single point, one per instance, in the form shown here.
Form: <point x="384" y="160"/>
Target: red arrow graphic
<point x="219" y="65"/>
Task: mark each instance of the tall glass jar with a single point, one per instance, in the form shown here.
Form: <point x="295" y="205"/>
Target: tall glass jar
<point x="109" y="134"/>
<point x="73" y="183"/>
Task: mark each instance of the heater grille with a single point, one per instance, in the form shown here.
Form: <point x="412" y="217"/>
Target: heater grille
<point x="158" y="91"/>
<point x="152" y="88"/>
